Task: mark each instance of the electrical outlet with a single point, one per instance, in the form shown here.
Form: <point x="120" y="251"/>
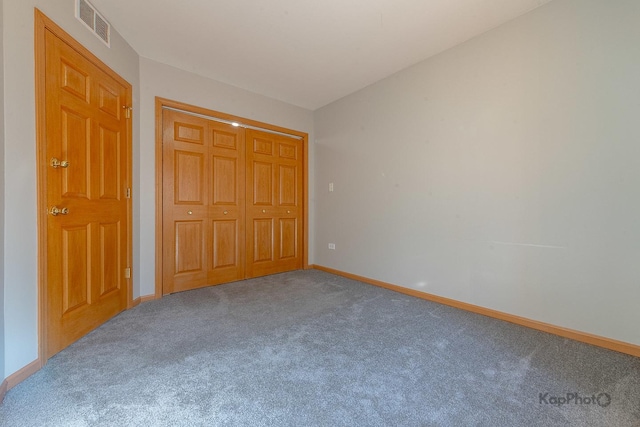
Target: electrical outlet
<point x="332" y="246"/>
<point x="330" y="186"/>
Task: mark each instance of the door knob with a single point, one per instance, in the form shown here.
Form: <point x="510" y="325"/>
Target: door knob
<point x="57" y="211"/>
<point x="55" y="163"/>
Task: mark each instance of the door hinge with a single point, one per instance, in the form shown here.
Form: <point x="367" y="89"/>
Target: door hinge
<point x="128" y="193"/>
<point x="127" y="273"/>
<point x="127" y="111"/>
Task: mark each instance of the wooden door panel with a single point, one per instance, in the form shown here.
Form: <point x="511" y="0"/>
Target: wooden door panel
<point x="288" y="151"/>
<point x="263" y="240"/>
<point x="263" y="145"/>
<point x="75" y="81"/>
<point x="288" y="238"/>
<point x="75" y="141"/>
<point x="189" y="178"/>
<point x="262" y="184"/>
<point x="110" y="245"/>
<point x="226" y="140"/>
<point x="188" y="132"/>
<point x="76" y="282"/>
<point x="225" y="244"/>
<point x="287" y="191"/>
<point x="109" y="101"/>
<point x="110" y="163"/>
<point x="189" y="241"/>
<point x="87" y="248"/>
<point x="225" y="181"/>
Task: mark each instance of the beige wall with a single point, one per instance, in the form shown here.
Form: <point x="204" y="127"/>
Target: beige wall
<point x="503" y="172"/>
<point x="20" y="256"/>
<point x="168" y="82"/>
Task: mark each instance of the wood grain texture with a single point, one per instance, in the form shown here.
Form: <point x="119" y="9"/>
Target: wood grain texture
<point x="275" y="209"/>
<point x="79" y="118"/>
<point x="608" y="343"/>
<point x="223" y="142"/>
<point x="203" y="202"/>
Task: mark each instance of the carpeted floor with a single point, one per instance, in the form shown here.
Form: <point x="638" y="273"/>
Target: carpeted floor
<point x="311" y="349"/>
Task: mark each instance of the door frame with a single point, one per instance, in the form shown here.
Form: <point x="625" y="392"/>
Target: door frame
<point x="42" y="25"/>
<point x="187" y="108"/>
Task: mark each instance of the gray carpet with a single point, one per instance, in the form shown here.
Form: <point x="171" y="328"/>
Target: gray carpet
<point x="311" y="349"/>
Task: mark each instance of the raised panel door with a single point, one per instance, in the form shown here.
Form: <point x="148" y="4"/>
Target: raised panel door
<point x="274" y="214"/>
<point x="203" y="202"/>
<point x="87" y="242"/>
<point x="185" y="212"/>
<point x="227" y="203"/>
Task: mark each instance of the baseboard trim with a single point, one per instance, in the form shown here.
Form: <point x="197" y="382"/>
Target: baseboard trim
<point x="142" y="299"/>
<point x="148" y="298"/>
<point x="608" y="343"/>
<point x="33" y="367"/>
<point x="3" y="389"/>
<point x="22" y="374"/>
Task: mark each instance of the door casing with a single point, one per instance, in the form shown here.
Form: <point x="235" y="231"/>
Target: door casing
<point x="163" y="102"/>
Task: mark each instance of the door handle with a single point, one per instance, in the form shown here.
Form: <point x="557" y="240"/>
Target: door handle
<point x="55" y="211"/>
<point x="55" y="163"/>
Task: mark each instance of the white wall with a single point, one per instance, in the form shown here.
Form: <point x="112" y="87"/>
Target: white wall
<point x="503" y="172"/>
<point x="20" y="243"/>
<point x="171" y="83"/>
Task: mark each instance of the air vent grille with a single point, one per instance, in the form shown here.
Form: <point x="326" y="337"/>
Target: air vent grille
<point x="102" y="29"/>
<point x="86" y="13"/>
<point x="92" y="19"/>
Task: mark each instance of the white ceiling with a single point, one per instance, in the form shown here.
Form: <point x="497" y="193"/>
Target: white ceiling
<point x="304" y="52"/>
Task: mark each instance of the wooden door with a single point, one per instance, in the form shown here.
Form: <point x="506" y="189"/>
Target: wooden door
<point x="87" y="242"/>
<point x="274" y="203"/>
<point x="203" y="202"/>
<point x="226" y="252"/>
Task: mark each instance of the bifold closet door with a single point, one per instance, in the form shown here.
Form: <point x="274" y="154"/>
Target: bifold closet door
<point x="274" y="203"/>
<point x="203" y="202"/>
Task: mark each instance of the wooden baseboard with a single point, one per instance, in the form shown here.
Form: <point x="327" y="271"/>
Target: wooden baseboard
<point x="33" y="367"/>
<point x="22" y="374"/>
<point x="3" y="389"/>
<point x="148" y="298"/>
<point x="608" y="343"/>
<point x="141" y="299"/>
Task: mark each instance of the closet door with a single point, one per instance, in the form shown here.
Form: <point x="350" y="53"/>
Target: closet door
<point x="274" y="203"/>
<point x="226" y="217"/>
<point x="185" y="160"/>
<point x="203" y="202"/>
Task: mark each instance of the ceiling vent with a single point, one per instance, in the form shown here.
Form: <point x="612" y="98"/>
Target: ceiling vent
<point x="92" y="19"/>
